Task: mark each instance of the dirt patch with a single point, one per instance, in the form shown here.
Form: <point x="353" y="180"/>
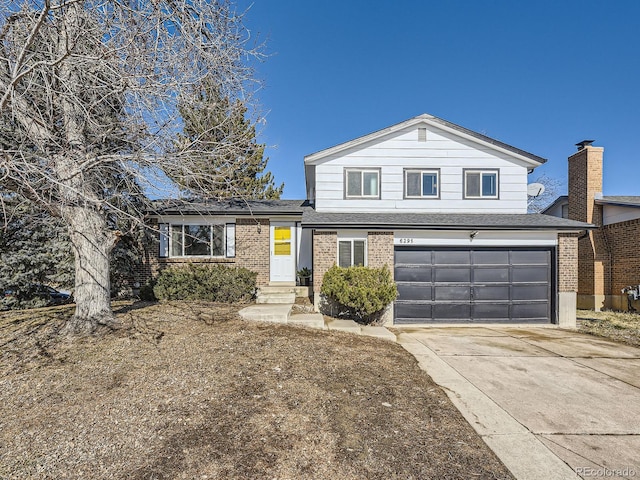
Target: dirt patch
<point x="192" y="391"/>
<point x="619" y="326"/>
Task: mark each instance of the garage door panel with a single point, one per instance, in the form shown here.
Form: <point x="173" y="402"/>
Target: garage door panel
<point x="473" y="285"/>
<point x="530" y="292"/>
<point x="452" y="257"/>
<point x="530" y="310"/>
<point x="528" y="257"/>
<point x="449" y="311"/>
<point x="491" y="311"/>
<point x="489" y="274"/>
<point x="491" y="257"/>
<point x="413" y="257"/>
<point x="414" y="292"/>
<point x="530" y="273"/>
<point x="453" y="274"/>
<point x="419" y="311"/>
<point x="491" y="292"/>
<point x="452" y="293"/>
<point x="413" y="274"/>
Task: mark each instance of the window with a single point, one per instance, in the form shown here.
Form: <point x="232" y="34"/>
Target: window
<point x="362" y="183"/>
<point x="197" y="240"/>
<point x="421" y="183"/>
<point x="351" y="252"/>
<point x="480" y="184"/>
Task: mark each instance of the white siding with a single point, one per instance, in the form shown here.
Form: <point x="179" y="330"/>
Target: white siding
<point x="403" y="150"/>
<point x="618" y="213"/>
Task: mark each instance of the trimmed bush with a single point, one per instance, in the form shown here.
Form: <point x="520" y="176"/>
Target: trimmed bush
<point x="213" y="283"/>
<point x="362" y="292"/>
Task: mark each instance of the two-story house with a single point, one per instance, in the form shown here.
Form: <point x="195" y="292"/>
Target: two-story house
<point x="445" y="208"/>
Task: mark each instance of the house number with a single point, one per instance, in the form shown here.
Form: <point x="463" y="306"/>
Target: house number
<point x="406" y="240"/>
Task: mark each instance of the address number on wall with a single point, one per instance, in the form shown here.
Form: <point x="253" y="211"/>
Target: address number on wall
<point x="406" y="240"/>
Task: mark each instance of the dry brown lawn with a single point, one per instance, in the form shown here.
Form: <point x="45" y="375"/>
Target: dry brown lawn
<point x="619" y="326"/>
<point x="192" y="391"/>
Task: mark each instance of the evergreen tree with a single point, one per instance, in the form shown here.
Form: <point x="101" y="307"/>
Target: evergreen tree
<point x="223" y="150"/>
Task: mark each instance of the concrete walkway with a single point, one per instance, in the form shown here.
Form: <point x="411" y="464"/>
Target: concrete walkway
<point x="281" y="313"/>
<point x="552" y="404"/>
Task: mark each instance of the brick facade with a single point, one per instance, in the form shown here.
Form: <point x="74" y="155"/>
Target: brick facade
<point x="622" y="242"/>
<point x="585" y="181"/>
<point x="607" y="256"/>
<point x="252" y="247"/>
<point x="567" y="262"/>
<point x="380" y="250"/>
<point x="252" y="252"/>
<point x="325" y="254"/>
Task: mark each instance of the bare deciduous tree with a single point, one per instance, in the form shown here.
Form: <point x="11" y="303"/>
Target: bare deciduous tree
<point x="88" y="117"/>
<point x="552" y="186"/>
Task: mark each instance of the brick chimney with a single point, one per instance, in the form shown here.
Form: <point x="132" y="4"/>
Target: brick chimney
<point x="585" y="183"/>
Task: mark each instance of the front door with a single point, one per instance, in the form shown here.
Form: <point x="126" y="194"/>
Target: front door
<point x="283" y="252"/>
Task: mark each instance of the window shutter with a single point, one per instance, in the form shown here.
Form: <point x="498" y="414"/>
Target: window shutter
<point x="231" y="240"/>
<point x="164" y="240"/>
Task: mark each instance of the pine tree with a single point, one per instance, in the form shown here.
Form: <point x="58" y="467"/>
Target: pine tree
<point x="222" y="148"/>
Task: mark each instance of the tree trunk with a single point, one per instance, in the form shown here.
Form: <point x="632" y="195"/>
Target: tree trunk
<point x="92" y="243"/>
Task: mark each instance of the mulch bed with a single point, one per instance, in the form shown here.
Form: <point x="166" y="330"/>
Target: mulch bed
<point x="192" y="391"/>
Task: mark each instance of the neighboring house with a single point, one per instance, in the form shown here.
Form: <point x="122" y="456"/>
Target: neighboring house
<point x="442" y="206"/>
<point x="608" y="256"/>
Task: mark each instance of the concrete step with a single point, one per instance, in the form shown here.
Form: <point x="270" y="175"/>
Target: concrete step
<point x="343" y="326"/>
<point x="312" y="320"/>
<point x="296" y="289"/>
<point x="283" y="297"/>
<point x="266" y="313"/>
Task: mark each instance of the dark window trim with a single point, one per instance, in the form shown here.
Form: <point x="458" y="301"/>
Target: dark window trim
<point x="378" y="170"/>
<point x="421" y="170"/>
<point x="481" y="171"/>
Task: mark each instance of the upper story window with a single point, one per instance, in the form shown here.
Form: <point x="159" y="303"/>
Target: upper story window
<point x="197" y="240"/>
<point x="362" y="183"/>
<point x="480" y="183"/>
<point x="352" y="252"/>
<point x="422" y="183"/>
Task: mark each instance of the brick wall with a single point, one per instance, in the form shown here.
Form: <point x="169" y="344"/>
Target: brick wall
<point x="622" y="239"/>
<point x="252" y="247"/>
<point x="252" y="252"/>
<point x="585" y="180"/>
<point x="380" y="250"/>
<point x="325" y="254"/>
<point x="568" y="262"/>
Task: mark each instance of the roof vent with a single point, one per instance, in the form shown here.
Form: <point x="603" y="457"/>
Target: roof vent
<point x="422" y="134"/>
<point x="585" y="143"/>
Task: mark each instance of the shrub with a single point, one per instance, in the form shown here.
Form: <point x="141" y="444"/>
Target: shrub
<point x="363" y="292"/>
<point x="213" y="283"/>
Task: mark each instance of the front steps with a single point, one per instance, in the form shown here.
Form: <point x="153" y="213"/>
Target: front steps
<point x="281" y="293"/>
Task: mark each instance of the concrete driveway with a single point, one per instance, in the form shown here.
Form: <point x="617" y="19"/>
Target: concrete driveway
<point x="551" y="403"/>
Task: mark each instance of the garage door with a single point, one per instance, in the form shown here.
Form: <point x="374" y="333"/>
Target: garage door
<point x="473" y="285"/>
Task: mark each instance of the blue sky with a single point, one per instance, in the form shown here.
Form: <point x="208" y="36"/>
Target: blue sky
<point x="539" y="75"/>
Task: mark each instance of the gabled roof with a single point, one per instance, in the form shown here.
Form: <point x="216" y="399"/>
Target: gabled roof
<point x="236" y="206"/>
<point x="427" y="119"/>
<point x="625" y="201"/>
<point x="562" y="199"/>
<point x="441" y="221"/>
